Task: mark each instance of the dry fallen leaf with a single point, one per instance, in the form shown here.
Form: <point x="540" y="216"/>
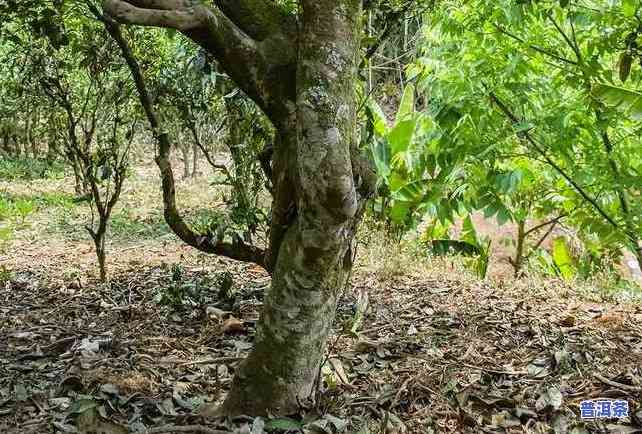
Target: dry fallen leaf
<point x="568" y="321"/>
<point x="233" y="325"/>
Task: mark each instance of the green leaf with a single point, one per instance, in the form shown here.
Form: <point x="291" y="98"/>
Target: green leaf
<point x="469" y="234"/>
<point x="400" y="211"/>
<point x="381" y="156"/>
<point x="379" y="122"/>
<point x="412" y="191"/>
<point x="401" y="136"/>
<point x="562" y="258"/>
<point x="622" y="98"/>
<point x="407" y="105"/>
<point x="629" y="7"/>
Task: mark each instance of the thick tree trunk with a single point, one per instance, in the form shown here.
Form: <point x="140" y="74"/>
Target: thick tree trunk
<point x="298" y="313"/>
<point x="319" y="179"/>
<point x="315" y="255"/>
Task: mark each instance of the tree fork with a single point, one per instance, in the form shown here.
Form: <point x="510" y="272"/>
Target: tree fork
<point x="306" y="87"/>
<point x="238" y="250"/>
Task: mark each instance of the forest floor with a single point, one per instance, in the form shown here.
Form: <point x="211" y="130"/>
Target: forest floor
<point x="437" y="351"/>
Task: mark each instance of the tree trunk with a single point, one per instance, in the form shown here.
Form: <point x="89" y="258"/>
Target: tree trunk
<point x="315" y="257"/>
<point x="297" y="317"/>
<point x="79" y="186"/>
<point x="320" y="180"/>
<point x="184" y="148"/>
<point x="99" y="242"/>
<point x="195" y="152"/>
<point x="5" y="143"/>
<point x="517" y="262"/>
<point x="33" y="136"/>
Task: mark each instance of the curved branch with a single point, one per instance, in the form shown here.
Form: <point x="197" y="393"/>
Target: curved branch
<point x="258" y="18"/>
<point x="182" y="19"/>
<point x="264" y="69"/>
<point x="236" y="250"/>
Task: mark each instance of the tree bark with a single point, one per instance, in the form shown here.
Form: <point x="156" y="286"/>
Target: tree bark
<point x="315" y="258"/>
<point x="519" y="250"/>
<point x="101" y="254"/>
<point x="306" y="86"/>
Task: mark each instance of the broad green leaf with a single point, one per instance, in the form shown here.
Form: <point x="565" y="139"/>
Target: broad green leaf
<point x="381" y="156"/>
<point x="629" y="7"/>
<point x="401" y="136"/>
<point x="407" y="105"/>
<point x="400" y="211"/>
<point x="622" y="98"/>
<point x="413" y="191"/>
<point x="380" y="124"/>
<point x="469" y="233"/>
<point x="563" y="259"/>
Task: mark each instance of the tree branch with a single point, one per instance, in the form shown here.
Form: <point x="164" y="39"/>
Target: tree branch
<point x="541" y="225"/>
<point x="182" y="19"/>
<point x="260" y="19"/>
<point x="543" y="238"/>
<point x="541" y="50"/>
<point x="237" y="250"/>
<point x="526" y="135"/>
<point x="263" y="70"/>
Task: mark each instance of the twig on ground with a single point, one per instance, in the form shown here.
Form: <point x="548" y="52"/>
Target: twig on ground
<point x="618" y="385"/>
<point x="218" y="360"/>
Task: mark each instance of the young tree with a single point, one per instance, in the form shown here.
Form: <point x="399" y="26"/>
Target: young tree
<point x="99" y="121"/>
<point x="300" y="68"/>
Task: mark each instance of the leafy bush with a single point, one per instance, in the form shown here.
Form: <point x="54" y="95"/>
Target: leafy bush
<point x="27" y="169"/>
<point x="16" y="209"/>
<point x="127" y="225"/>
<point x="180" y="291"/>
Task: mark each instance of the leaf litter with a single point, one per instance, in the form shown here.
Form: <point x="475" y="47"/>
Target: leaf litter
<point x="420" y="355"/>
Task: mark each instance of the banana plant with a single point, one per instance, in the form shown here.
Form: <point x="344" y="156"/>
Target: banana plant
<point x="411" y="182"/>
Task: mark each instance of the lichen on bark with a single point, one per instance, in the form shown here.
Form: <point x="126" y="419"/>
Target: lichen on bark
<point x="320" y="181"/>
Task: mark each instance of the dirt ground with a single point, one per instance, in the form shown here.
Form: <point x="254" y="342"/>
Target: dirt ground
<point x="419" y="344"/>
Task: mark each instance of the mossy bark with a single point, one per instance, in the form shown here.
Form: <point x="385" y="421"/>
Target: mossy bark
<point x="315" y="249"/>
<point x="302" y="75"/>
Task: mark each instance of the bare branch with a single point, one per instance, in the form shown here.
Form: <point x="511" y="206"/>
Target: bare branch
<point x="541" y="225"/>
<point x="179" y="19"/>
<point x="237" y="249"/>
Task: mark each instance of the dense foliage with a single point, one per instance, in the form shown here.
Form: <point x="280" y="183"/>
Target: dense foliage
<point x="528" y="112"/>
<point x="532" y="112"/>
